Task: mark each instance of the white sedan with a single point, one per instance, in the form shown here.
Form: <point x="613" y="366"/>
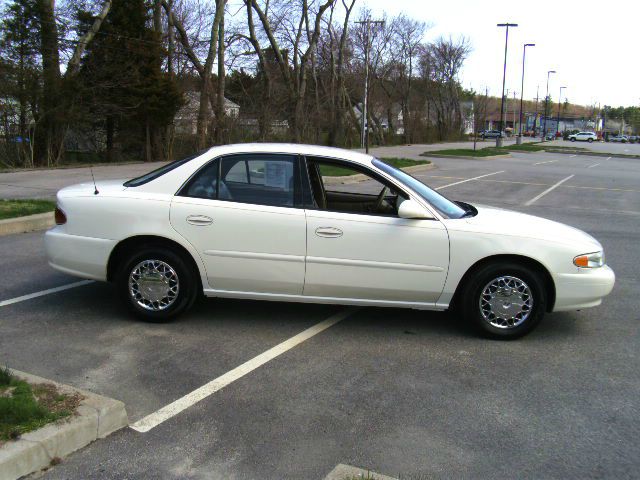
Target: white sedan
<point x="267" y="222"/>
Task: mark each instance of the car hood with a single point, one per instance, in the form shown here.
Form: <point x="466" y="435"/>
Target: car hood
<point x="83" y="189"/>
<point x="498" y="221"/>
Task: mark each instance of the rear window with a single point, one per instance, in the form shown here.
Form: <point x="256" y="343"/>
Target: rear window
<point x="158" y="172"/>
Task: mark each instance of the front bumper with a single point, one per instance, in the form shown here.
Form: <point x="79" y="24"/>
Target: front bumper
<point x="84" y="257"/>
<point x="583" y="289"/>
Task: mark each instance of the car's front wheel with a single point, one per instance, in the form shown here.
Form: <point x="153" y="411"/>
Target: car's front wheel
<point x="590" y="140"/>
<point x="157" y="284"/>
<point x="504" y="300"/>
<point x="573" y="139"/>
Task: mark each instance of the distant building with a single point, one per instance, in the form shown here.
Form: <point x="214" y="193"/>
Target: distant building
<point x="186" y="120"/>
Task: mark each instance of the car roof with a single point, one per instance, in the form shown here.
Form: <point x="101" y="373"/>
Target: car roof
<point x="292" y="148"/>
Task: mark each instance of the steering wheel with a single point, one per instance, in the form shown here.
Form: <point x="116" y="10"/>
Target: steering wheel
<point x="380" y="199"/>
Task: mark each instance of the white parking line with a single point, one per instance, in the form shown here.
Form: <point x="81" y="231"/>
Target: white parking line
<point x="608" y="158"/>
<point x="571" y="156"/>
<point x="168" y="411"/>
<point x="468" y="180"/>
<point x="594" y="165"/>
<point x="548" y="161"/>
<point x="553" y="187"/>
<point x="11" y="301"/>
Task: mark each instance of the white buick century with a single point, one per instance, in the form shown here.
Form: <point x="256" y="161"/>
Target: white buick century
<point x="269" y="222"/>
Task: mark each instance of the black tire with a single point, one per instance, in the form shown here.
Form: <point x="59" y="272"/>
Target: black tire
<point x="470" y="301"/>
<point x="590" y="140"/>
<point x="573" y="139"/>
<point x="187" y="283"/>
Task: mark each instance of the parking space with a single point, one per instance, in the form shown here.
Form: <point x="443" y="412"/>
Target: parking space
<point x="406" y="393"/>
<point x="24" y="267"/>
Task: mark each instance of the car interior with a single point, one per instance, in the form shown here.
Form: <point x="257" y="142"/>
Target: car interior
<point x="376" y="199"/>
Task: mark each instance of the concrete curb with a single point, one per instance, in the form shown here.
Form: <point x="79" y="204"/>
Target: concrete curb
<point x="30" y="223"/>
<point x="96" y="417"/>
<point x="349" y="179"/>
<point x="341" y="472"/>
<point x="595" y="154"/>
<point x="462" y="157"/>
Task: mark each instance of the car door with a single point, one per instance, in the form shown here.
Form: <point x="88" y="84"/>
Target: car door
<point x="243" y="215"/>
<point x="356" y="253"/>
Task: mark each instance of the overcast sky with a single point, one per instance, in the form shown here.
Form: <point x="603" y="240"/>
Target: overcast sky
<point x="593" y="45"/>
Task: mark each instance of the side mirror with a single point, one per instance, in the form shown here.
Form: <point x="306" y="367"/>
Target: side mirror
<point x="412" y="209"/>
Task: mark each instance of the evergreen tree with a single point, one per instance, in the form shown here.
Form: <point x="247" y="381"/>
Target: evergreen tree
<point x="123" y="83"/>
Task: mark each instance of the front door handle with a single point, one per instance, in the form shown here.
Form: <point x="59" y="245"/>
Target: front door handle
<point x="328" y="232"/>
<point x="199" y="220"/>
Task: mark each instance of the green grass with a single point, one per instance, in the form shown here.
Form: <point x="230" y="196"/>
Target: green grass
<point x="504" y="150"/>
<point x="21" y="409"/>
<point x="333" y="171"/>
<point x="469" y="152"/>
<point x="21" y="208"/>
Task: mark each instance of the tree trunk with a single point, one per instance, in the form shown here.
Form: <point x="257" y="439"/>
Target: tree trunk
<point x="50" y="143"/>
<point x="220" y="111"/>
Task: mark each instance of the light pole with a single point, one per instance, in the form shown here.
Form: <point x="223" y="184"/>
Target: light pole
<point x="365" y="123"/>
<point x="546" y="107"/>
<point x="524" y="53"/>
<point x="504" y="77"/>
<point x="558" y="122"/>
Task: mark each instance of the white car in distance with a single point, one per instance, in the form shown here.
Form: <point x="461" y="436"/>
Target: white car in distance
<point x="262" y="221"/>
<point x="583" y="137"/>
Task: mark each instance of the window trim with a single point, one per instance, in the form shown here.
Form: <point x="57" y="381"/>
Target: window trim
<point x="297" y="187"/>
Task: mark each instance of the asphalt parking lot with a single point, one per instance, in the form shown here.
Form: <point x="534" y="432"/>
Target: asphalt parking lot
<point x="404" y="393"/>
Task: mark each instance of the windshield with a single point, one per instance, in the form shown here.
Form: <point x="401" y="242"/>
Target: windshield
<point x="442" y="204"/>
<point x="158" y="172"/>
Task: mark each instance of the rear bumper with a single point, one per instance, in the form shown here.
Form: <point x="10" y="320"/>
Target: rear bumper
<point x="84" y="257"/>
<point x="584" y="289"/>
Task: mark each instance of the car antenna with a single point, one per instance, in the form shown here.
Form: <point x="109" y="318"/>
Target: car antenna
<point x="95" y="191"/>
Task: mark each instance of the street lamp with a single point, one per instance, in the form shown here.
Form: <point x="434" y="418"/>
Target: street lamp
<point x="504" y="77"/>
<point x="546" y="107"/>
<point x="524" y="53"/>
<point x="558" y="122"/>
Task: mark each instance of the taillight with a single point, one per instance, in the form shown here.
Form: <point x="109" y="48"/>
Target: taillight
<point x="61" y="218"/>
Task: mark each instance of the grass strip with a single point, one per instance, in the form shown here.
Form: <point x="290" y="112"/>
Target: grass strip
<point x="468" y="152"/>
<point x="335" y="171"/>
<point x="21" y="208"/>
<point x="25" y="407"/>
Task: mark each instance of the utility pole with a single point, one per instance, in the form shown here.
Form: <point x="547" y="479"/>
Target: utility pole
<point x="365" y="123"/>
<point x="558" y="122"/>
<point x="524" y="53"/>
<point x="504" y="77"/>
<point x="546" y="107"/>
<point x="503" y="121"/>
<point x="514" y="110"/>
<point x="535" y="118"/>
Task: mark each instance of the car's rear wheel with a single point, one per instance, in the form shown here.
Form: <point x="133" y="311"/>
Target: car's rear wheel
<point x="573" y="139"/>
<point x="157" y="284"/>
<point x="504" y="300"/>
<point x="590" y="140"/>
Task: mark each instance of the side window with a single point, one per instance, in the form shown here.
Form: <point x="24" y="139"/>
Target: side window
<point x="262" y="179"/>
<point x="204" y="184"/>
<point x="333" y="190"/>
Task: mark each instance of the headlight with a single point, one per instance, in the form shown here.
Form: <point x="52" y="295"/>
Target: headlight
<point x="589" y="260"/>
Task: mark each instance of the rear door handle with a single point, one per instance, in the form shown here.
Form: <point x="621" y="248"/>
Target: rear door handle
<point x="328" y="232"/>
<point x="199" y="220"/>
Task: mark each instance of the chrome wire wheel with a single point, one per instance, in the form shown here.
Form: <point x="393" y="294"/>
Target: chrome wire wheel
<point x="506" y="302"/>
<point x="154" y="285"/>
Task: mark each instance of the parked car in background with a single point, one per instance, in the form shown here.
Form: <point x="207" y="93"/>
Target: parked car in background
<point x="550" y="136"/>
<point x="264" y="222"/>
<point x="634" y="139"/>
<point x="619" y="138"/>
<point x="491" y="134"/>
<point x="583" y="137"/>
